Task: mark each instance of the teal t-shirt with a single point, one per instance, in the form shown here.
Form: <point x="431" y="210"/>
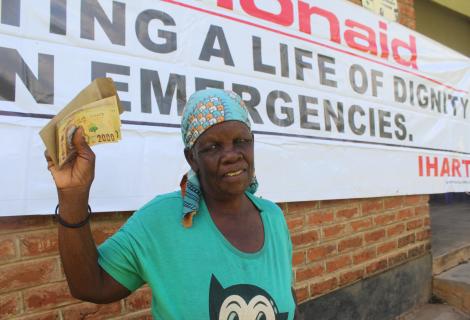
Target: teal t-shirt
<point x="196" y="273"/>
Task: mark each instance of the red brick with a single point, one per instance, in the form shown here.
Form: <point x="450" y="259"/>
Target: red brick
<point x="415" y="224"/>
<point x="91" y="311"/>
<point x="405" y="214"/>
<point x="403" y="241"/>
<point x="350" y="243"/>
<point x="51" y="295"/>
<point x="304" y="238"/>
<point x="411" y="23"/>
<point x="347" y="213"/>
<point x="338" y="263"/>
<point x="309" y="272"/>
<point x="320" y="252"/>
<point x="386" y="247"/>
<point x="140" y="299"/>
<point x="393" y="202"/>
<point x="397" y="259"/>
<point x="11" y="224"/>
<point x="301" y="207"/>
<point x="384" y="219"/>
<point x="364" y="255"/>
<point x="103" y="231"/>
<point x="295" y="223"/>
<point x="283" y="206"/>
<point x="47" y="315"/>
<point x="406" y="10"/>
<point x="27" y="274"/>
<point x="7" y="249"/>
<point x="423" y="235"/>
<point x="140" y="315"/>
<point x="422" y="210"/>
<point x="298" y="258"/>
<point x="9" y="305"/>
<point x="376" y="266"/>
<point x="362" y="224"/>
<point x="416" y="251"/>
<point x="111" y="217"/>
<point x="412" y="200"/>
<point x="374" y="236"/>
<point x="320" y="217"/>
<point x="334" y="231"/>
<point x="350" y="277"/>
<point x="39" y="243"/>
<point x="427" y="221"/>
<point x="334" y="203"/>
<point x="371" y="206"/>
<point x="323" y="287"/>
<point x="395" y="230"/>
<point x="301" y="294"/>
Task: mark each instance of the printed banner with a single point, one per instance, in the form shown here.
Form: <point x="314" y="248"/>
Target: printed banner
<point x="344" y="104"/>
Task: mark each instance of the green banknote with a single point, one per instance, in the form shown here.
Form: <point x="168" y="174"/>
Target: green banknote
<point x="100" y="122"/>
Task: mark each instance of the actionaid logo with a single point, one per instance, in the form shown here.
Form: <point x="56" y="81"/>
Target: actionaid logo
<point x="372" y="39"/>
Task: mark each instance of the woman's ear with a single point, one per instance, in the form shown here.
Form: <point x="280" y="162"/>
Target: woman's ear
<point x="189" y="155"/>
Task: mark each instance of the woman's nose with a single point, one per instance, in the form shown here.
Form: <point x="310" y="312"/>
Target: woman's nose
<point x="231" y="154"/>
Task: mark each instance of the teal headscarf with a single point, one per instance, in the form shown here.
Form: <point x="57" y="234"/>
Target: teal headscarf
<point x="204" y="109"/>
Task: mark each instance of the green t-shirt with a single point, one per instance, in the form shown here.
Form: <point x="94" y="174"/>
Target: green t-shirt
<point x="196" y="273"/>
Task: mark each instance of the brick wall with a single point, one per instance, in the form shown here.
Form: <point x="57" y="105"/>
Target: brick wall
<point x="336" y="243"/>
<point x="32" y="282"/>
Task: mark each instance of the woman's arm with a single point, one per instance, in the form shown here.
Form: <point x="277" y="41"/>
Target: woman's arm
<point x="86" y="279"/>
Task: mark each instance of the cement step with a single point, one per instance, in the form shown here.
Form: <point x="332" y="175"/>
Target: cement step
<point x="435" y="312"/>
<point x="453" y="287"/>
<point x="452" y="258"/>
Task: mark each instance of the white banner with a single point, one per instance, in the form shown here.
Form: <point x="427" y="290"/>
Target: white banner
<point x="343" y="103"/>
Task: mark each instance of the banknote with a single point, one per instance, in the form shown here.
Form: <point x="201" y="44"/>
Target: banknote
<point x="100" y="122"/>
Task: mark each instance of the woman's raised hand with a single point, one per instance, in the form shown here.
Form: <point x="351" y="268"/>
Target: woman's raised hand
<point x="76" y="175"/>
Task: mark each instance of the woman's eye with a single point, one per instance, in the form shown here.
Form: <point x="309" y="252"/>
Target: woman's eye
<point x="242" y="141"/>
<point x="210" y="147"/>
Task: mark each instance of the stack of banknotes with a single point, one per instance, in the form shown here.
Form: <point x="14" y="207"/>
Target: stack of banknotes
<point x="96" y="109"/>
<point x="100" y="122"/>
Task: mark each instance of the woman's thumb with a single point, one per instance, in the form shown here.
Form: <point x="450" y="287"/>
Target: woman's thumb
<point x="79" y="141"/>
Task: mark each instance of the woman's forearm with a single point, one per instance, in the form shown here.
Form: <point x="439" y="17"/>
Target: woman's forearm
<point x="77" y="248"/>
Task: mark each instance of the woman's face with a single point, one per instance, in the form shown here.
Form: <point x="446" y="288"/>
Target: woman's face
<point x="223" y="157"/>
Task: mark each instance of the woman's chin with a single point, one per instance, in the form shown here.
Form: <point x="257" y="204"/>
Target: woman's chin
<point x="234" y="189"/>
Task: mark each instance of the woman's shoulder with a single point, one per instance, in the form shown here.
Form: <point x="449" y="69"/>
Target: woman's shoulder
<point x="265" y="204"/>
<point x="165" y="207"/>
<point x="163" y="201"/>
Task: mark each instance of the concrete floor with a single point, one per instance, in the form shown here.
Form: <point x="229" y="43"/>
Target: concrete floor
<point x="437" y="312"/>
<point x="450" y="226"/>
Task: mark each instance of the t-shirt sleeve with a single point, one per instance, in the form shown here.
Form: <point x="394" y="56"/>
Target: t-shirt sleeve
<point x="118" y="256"/>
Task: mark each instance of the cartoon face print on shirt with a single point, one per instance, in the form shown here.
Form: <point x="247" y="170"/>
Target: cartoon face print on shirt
<point x="241" y="302"/>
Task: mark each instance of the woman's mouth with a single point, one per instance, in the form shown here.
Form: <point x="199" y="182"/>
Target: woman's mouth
<point x="234" y="173"/>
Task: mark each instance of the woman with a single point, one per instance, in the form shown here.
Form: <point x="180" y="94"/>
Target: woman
<point x="209" y="251"/>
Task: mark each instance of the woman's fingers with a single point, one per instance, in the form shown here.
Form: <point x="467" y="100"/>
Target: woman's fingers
<point x="78" y="172"/>
<point x="81" y="146"/>
<point x="79" y="142"/>
<point x="50" y="162"/>
<point x="47" y="156"/>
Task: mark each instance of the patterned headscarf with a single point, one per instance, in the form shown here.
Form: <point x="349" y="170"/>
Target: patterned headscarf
<point x="204" y="109"/>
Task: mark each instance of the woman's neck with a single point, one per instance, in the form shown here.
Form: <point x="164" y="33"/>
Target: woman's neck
<point x="229" y="207"/>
